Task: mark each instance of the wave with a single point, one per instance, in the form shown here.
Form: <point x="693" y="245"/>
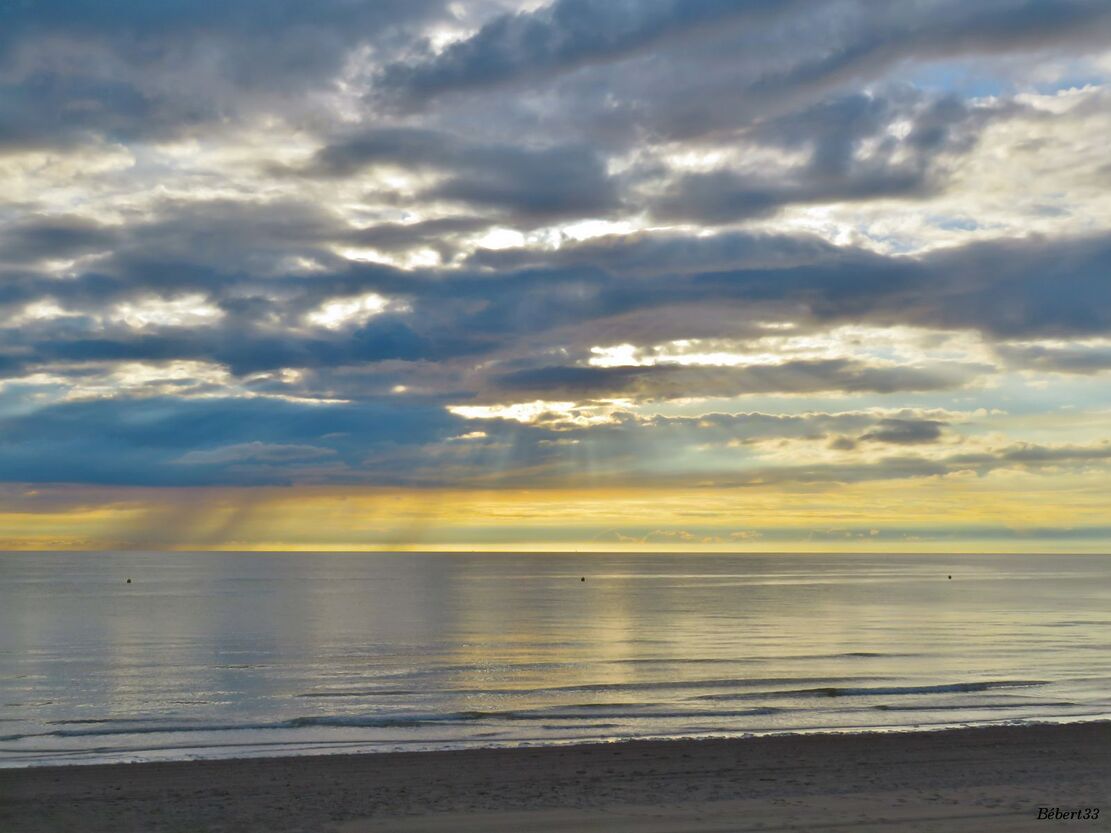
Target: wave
<point x="563" y="713"/>
<point x="111" y="727"/>
<point x="880" y="691"/>
<point x="544" y="714"/>
<point x="374" y="692"/>
<point x="97" y="721"/>
<point x="437" y="670"/>
<point x="650" y="685"/>
<point x="966" y="707"/>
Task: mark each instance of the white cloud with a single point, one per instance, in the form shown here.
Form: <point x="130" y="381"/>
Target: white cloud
<point x="340" y="313"/>
<point x="184" y="311"/>
<point x="877" y="345"/>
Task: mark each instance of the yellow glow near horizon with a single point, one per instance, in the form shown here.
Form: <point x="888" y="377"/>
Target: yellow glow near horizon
<point x="955" y="513"/>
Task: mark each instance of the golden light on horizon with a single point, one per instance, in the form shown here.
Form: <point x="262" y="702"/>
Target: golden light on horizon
<point x="986" y="513"/>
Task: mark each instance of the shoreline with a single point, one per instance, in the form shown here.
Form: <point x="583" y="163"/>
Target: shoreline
<point x="418" y="749"/>
<point x="980" y="779"/>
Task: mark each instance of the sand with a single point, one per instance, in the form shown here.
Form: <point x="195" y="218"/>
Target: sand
<point x="974" y="780"/>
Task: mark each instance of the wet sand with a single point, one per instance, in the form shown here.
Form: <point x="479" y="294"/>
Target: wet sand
<point x="974" y="780"/>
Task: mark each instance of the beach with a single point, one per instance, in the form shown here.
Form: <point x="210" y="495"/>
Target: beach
<point x="365" y="693"/>
<point x="976" y="780"/>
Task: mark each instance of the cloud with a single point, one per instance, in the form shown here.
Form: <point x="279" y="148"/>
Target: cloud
<point x="78" y="70"/>
<point x="569" y="34"/>
<point x="905" y="431"/>
<point x="558" y="38"/>
<point x="1026" y="457"/>
<point x="1036" y="456"/>
<point x="541" y="182"/>
<point x="209" y="441"/>
<point x="666" y="252"/>
<point x="255" y="452"/>
<point x="679" y="71"/>
<point x="651" y="242"/>
<point x="57" y="237"/>
<point x="436" y="234"/>
<point x="1082" y="358"/>
<point x="663" y="382"/>
<point x="852" y="155"/>
<point x="1004" y="289"/>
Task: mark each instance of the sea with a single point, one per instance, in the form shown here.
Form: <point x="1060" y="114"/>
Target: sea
<point x="234" y="655"/>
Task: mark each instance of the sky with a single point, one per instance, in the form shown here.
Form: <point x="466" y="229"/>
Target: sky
<point x="582" y="275"/>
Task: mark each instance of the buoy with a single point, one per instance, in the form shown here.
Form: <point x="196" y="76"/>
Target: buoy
<point x="950" y="578"/>
<point x="583" y="578"/>
<point x="129" y="581"/>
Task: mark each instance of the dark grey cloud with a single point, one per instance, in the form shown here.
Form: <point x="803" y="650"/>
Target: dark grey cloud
<point x="833" y="133"/>
<point x="727" y="197"/>
<point x="945" y="29"/>
<point x="74" y="71"/>
<point x="666" y="253"/>
<point x="528" y="182"/>
<point x="47" y="109"/>
<point x="905" y="431"/>
<point x="637" y="289"/>
<point x="1032" y="455"/>
<point x="1081" y="359"/>
<point x="436" y="234"/>
<point x="908" y="427"/>
<point x="558" y="38"/>
<point x="173" y="441"/>
<point x="58" y="237"/>
<point x="1005" y="289"/>
<point x="674" y="382"/>
<point x="615" y="73"/>
<point x="1010" y="289"/>
<point x="573" y="111"/>
<point x="757" y="425"/>
<point x="624" y="73"/>
<point x="623" y="454"/>
<point x="569" y="34"/>
<point x="134" y="19"/>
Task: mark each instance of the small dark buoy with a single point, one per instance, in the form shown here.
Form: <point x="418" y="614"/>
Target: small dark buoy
<point x="129" y="581"/>
<point x="950" y="578"/>
<point x="583" y="578"/>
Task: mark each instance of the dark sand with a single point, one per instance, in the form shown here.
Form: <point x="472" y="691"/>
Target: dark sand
<point x="961" y="781"/>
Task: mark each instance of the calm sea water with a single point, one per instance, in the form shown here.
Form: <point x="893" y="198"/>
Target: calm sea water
<point x="235" y="655"/>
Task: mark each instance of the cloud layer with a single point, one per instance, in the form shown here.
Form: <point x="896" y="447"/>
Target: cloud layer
<point x="492" y="245"/>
